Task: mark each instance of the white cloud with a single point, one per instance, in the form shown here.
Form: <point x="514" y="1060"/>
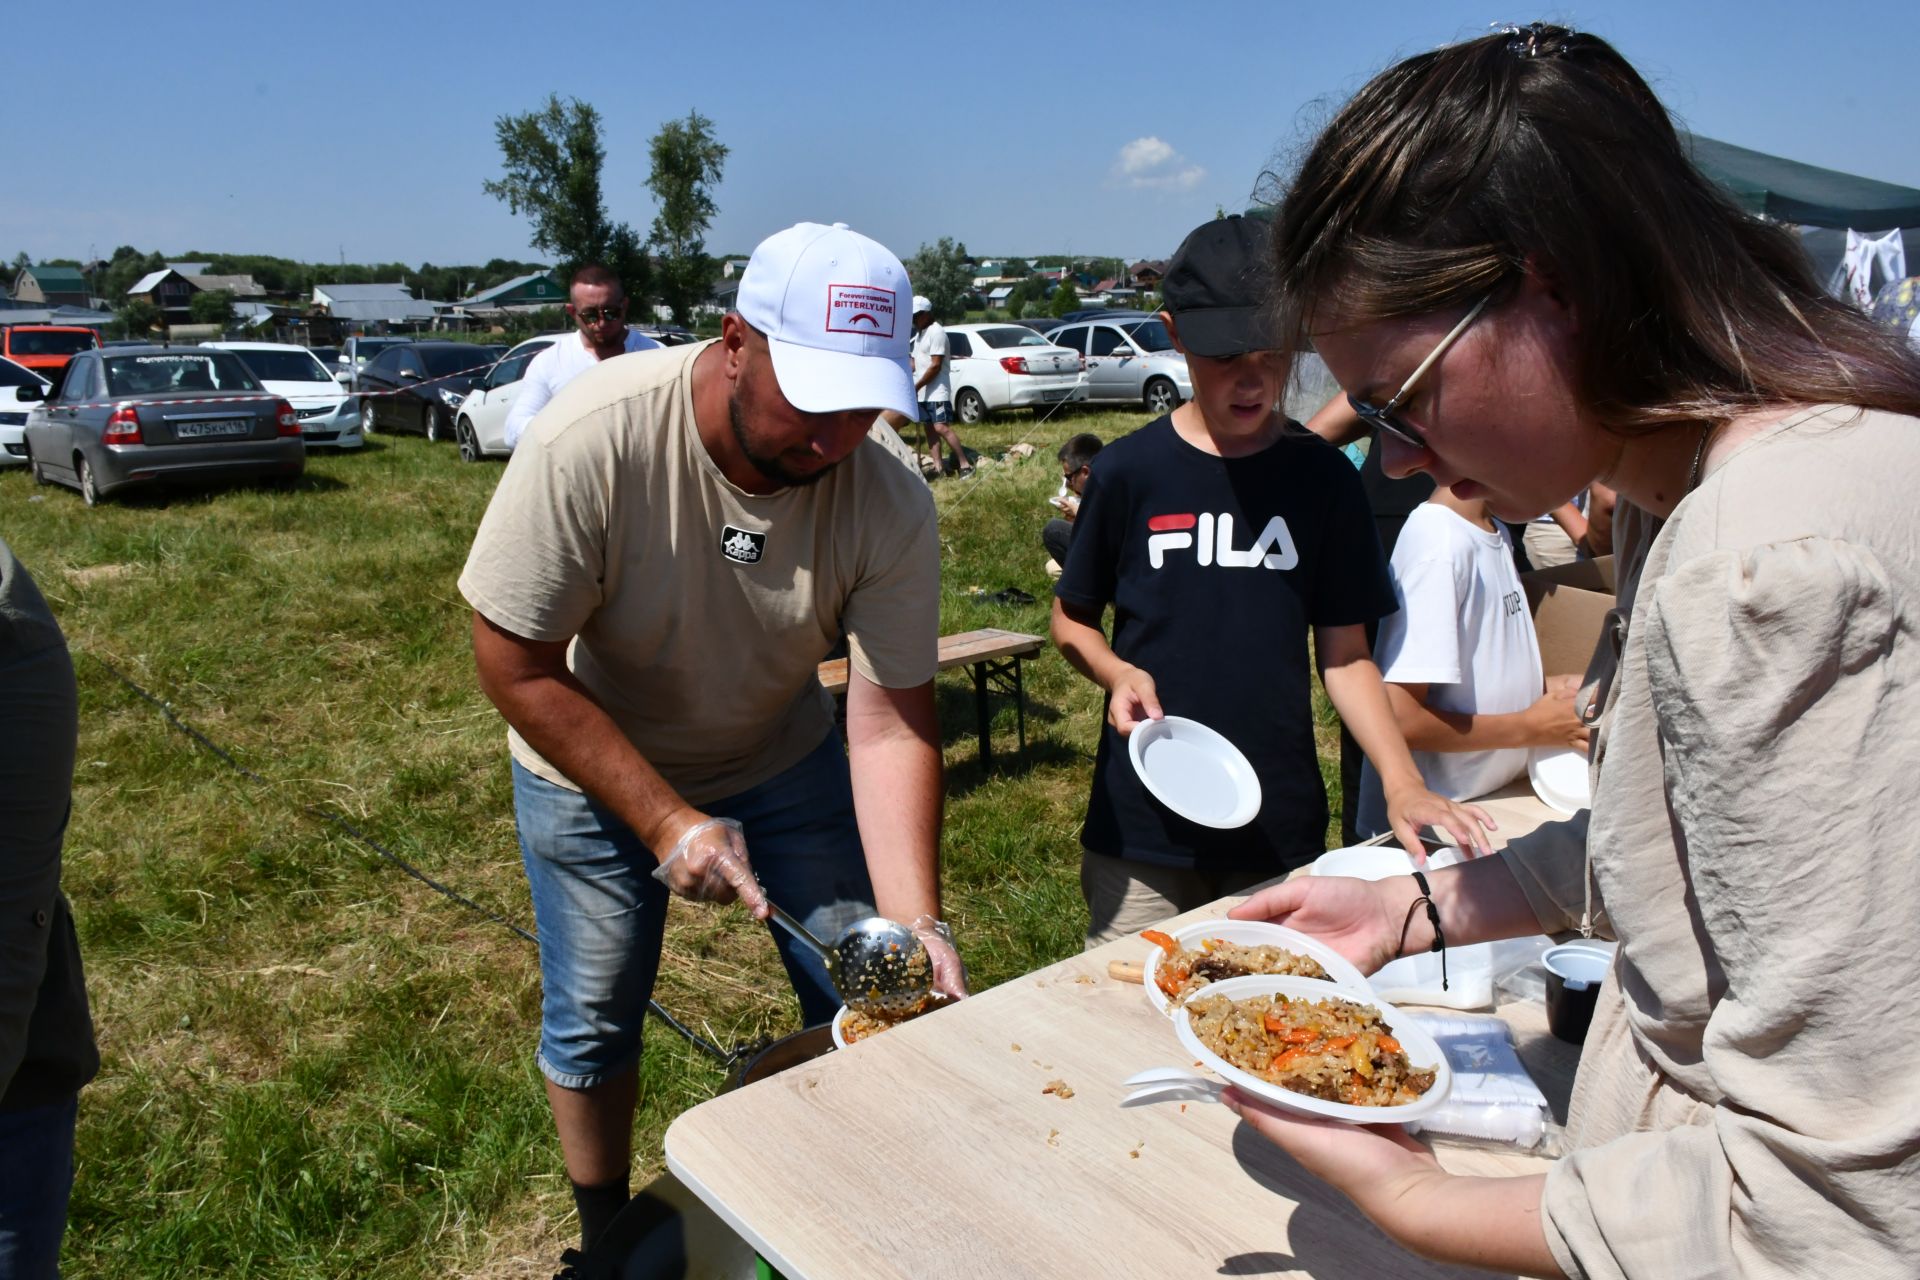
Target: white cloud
<point x="1151" y="163"/>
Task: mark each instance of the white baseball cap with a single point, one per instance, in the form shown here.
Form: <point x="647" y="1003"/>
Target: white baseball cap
<point x="920" y="303"/>
<point x="828" y="300"/>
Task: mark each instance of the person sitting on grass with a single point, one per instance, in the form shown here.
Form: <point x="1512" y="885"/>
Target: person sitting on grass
<point x="1461" y="660"/>
<point x="1076" y="463"/>
<point x="1224" y="535"/>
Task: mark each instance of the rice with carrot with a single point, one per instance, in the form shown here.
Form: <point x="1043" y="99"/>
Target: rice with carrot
<point x="1332" y="1049"/>
<point x="1181" y="972"/>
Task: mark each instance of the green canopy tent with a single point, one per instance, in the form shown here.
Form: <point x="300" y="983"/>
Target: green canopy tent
<point x="1805" y="194"/>
<point x="1823" y="203"/>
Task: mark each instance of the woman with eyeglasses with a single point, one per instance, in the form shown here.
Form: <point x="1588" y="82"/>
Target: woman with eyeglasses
<point x="1504" y="254"/>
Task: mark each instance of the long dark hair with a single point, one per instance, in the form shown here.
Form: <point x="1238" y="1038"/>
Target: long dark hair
<point x="1450" y="173"/>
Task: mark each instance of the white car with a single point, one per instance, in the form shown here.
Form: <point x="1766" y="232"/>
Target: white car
<point x="13" y="411"/>
<point x="480" y="423"/>
<point x="1129" y="361"/>
<point x="329" y="416"/>
<point x="1008" y="366"/>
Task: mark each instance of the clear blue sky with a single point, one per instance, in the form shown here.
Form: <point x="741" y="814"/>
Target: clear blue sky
<point x="1112" y="127"/>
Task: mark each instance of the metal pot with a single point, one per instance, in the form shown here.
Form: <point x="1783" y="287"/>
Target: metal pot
<point x="787" y="1051"/>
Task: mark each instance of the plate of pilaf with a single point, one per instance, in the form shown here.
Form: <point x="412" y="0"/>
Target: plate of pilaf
<point x="850" y="1026"/>
<point x="1299" y="1045"/>
<point x="1184" y="962"/>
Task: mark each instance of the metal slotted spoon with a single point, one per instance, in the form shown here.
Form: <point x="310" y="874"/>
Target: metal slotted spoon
<point x="876" y="964"/>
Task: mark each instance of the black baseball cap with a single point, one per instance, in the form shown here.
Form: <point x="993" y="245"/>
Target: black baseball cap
<point x="1216" y="287"/>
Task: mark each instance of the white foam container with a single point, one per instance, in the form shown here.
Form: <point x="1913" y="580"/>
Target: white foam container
<point x="1253" y="933"/>
<point x="1416" y="979"/>
<point x="1421" y="1050"/>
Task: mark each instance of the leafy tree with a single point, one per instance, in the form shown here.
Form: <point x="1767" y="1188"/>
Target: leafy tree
<point x="940" y="272"/>
<point x="138" y="318"/>
<point x="124" y="270"/>
<point x="1015" y="269"/>
<point x="552" y="160"/>
<point x="1065" y="299"/>
<point x="215" y="306"/>
<point x="687" y="162"/>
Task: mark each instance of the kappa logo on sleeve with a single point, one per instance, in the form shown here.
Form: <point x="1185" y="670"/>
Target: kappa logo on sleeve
<point x="1211" y="538"/>
<point x="742" y="545"/>
<point x="860" y="308"/>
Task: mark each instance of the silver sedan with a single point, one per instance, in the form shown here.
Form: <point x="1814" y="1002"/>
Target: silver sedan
<point x="129" y="417"/>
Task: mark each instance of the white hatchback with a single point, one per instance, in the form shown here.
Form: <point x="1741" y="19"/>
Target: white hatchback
<point x="329" y="416"/>
<point x="14" y="411"/>
<point x="480" y="423"/>
<point x="1008" y="366"/>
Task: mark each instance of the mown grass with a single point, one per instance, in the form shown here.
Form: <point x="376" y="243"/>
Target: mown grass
<point x="314" y="1066"/>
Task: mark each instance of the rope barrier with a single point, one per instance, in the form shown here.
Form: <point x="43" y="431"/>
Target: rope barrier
<point x="727" y="1058"/>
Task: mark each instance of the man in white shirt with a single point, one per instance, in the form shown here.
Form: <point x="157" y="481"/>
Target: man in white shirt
<point x="598" y="308"/>
<point x="932" y="386"/>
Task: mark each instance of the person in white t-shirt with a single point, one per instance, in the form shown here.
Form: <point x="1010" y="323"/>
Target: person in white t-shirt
<point x="933" y="386"/>
<point x="1461" y="660"/>
<point x="597" y="304"/>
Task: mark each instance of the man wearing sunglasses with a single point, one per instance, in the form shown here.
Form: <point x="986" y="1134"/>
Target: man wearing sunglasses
<point x="598" y="309"/>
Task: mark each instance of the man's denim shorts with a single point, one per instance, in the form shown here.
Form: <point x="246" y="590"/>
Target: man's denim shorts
<point x="936" y="411"/>
<point x="601" y="913"/>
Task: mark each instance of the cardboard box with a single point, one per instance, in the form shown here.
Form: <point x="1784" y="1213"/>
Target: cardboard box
<point x="1569" y="604"/>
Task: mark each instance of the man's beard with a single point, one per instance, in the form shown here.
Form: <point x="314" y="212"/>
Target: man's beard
<point x="770" y="467"/>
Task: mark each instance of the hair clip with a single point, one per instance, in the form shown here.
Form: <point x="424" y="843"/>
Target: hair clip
<point x="1524" y="42"/>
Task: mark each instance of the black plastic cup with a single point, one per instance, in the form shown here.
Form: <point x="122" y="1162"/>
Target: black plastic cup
<point x="1574" y="975"/>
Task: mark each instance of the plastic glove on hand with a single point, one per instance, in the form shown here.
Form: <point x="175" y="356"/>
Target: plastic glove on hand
<point x="949" y="974"/>
<point x="708" y="863"/>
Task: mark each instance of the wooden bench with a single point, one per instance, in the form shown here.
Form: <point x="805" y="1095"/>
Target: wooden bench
<point x="991" y="656"/>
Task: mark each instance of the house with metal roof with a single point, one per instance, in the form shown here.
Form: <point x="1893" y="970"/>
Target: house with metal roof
<point x="535" y="291"/>
<point x="51" y="287"/>
<point x="371" y="306"/>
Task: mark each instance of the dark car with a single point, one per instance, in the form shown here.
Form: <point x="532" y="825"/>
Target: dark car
<point x="136" y="416"/>
<point x="419" y="386"/>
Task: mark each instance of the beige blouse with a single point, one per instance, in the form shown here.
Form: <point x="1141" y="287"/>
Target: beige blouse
<point x="1748" y="1101"/>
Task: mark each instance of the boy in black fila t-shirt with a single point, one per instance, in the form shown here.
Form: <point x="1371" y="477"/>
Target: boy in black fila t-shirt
<point x="1222" y="535"/>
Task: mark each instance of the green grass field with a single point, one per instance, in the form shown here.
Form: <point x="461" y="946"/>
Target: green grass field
<point x="314" y="1066"/>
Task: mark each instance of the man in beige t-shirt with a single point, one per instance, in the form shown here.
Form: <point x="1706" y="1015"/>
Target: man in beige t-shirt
<point x="676" y="544"/>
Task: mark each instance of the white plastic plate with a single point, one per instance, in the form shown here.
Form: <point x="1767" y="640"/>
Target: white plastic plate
<point x="1559" y="777"/>
<point x="1254" y="933"/>
<point x="1421" y="1050"/>
<point x="839" y="1039"/>
<point x="1195" y="772"/>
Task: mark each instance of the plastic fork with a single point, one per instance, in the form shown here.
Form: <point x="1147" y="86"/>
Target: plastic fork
<point x="1172" y="1093"/>
<point x="1165" y="1075"/>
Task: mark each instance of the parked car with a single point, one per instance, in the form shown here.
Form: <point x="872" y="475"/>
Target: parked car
<point x="416" y="386"/>
<point x="356" y="352"/>
<point x="667" y="335"/>
<point x="328" y="356"/>
<point x="46" y="347"/>
<point x="328" y="415"/>
<point x="14" y="410"/>
<point x="1129" y="361"/>
<point x="1103" y="313"/>
<point x="480" y="423"/>
<point x="1008" y="366"/>
<point x="158" y="415"/>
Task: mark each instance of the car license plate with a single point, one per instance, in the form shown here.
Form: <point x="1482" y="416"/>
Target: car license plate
<point x="214" y="427"/>
<point x="1056" y="395"/>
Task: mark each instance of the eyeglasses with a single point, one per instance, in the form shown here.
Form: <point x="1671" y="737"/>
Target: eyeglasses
<point x="1384" y="416"/>
<point x="594" y="315"/>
